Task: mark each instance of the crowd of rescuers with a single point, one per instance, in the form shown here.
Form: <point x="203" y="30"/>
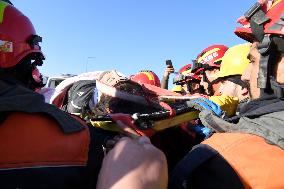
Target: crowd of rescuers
<point x="86" y="136"/>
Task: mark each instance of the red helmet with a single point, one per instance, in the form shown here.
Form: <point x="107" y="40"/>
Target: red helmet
<point x="265" y="17"/>
<point x="18" y="38"/>
<point x="185" y="69"/>
<point x="183" y="75"/>
<point x="146" y="77"/>
<point x="211" y="57"/>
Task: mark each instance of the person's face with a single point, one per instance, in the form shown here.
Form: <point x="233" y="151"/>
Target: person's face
<point x="228" y="88"/>
<point x="185" y="88"/>
<point x="193" y="87"/>
<point x="210" y="74"/>
<point x="280" y="70"/>
<point x="251" y="72"/>
<point x="231" y="89"/>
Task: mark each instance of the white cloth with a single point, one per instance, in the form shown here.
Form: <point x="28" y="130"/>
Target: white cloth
<point x="61" y="89"/>
<point x="47" y="92"/>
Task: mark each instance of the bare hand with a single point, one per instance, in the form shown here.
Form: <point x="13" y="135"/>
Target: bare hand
<point x="134" y="163"/>
<point x="168" y="71"/>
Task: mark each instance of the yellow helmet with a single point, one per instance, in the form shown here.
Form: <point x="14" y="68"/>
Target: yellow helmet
<point x="235" y="61"/>
<point x="177" y="89"/>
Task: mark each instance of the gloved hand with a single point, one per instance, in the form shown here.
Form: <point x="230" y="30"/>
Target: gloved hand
<point x="205" y="104"/>
<point x="201" y="130"/>
<point x="227" y="103"/>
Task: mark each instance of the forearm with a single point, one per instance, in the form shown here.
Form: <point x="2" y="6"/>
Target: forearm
<point x="165" y="82"/>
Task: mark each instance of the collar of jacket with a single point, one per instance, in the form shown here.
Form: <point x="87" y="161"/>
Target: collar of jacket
<point x="14" y="97"/>
<point x="255" y="108"/>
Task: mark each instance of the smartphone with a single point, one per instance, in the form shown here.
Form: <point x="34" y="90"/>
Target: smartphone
<point x="169" y="63"/>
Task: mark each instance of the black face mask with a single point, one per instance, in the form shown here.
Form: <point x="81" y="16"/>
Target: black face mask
<point x="26" y="73"/>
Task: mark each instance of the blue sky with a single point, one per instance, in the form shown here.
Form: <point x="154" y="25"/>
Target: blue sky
<point x="129" y="35"/>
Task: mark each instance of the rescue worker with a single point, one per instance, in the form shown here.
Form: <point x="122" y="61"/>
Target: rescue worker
<point x="41" y="146"/>
<point x="207" y="64"/>
<point x="209" y="60"/>
<point x="234" y="62"/>
<point x="248" y="152"/>
<point x="194" y="83"/>
<point x="190" y="82"/>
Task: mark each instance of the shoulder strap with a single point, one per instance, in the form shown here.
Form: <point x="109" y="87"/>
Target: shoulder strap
<point x="198" y="155"/>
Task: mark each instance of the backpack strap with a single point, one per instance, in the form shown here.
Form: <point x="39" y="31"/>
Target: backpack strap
<point x="198" y="155"/>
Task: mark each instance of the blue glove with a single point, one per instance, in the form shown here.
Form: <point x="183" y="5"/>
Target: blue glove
<point x="202" y="130"/>
<point x="205" y="104"/>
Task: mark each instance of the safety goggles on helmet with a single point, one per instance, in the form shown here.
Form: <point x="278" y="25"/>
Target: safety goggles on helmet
<point x="261" y="19"/>
<point x="183" y="75"/>
<point x="211" y="57"/>
<point x="179" y="79"/>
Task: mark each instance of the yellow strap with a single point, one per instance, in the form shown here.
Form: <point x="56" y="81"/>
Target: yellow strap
<point x="3" y="5"/>
<point x="149" y="76"/>
<point x="158" y="125"/>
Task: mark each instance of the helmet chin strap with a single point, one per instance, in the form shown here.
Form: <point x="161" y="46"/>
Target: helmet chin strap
<point x="268" y="47"/>
<point x="210" y="84"/>
<point x="264" y="50"/>
<point x="268" y="59"/>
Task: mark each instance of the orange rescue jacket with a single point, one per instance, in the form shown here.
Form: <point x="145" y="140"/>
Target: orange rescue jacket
<point x="257" y="163"/>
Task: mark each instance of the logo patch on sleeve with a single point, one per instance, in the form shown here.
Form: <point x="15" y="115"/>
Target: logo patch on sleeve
<point x="6" y="46"/>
